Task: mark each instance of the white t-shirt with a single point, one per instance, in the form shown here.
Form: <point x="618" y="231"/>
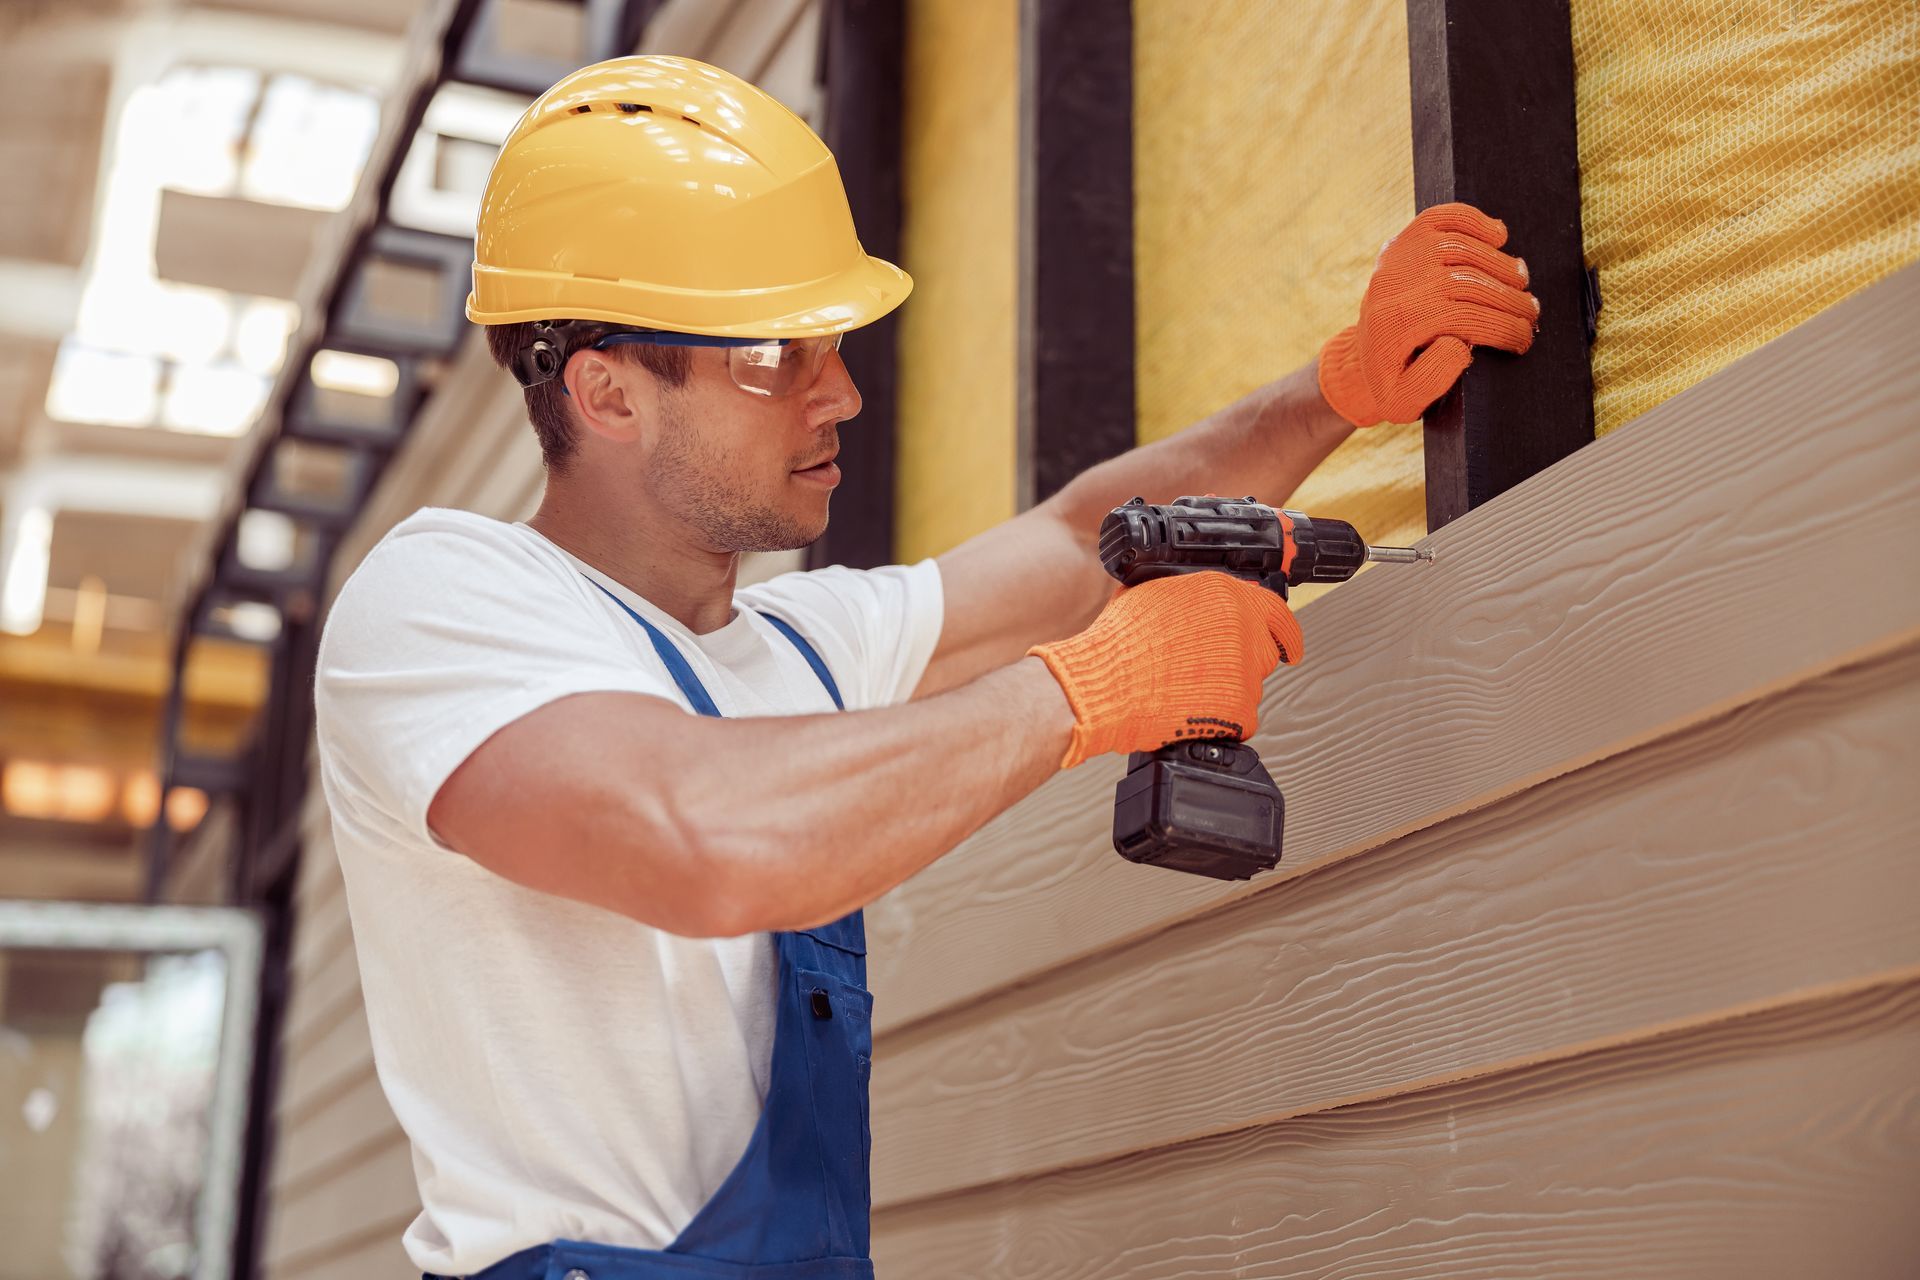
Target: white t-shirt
<point x="562" y="1071"/>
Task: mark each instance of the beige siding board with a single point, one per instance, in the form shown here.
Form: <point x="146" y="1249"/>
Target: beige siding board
<point x="323" y="913"/>
<point x="755" y="34"/>
<point x="322" y="1000"/>
<point x="507" y="484"/>
<point x="324" y="1141"/>
<point x="1732" y="542"/>
<point x="472" y="426"/>
<point x="319" y="876"/>
<point x="1781" y="1145"/>
<point x="321" y="1067"/>
<point x="791" y="73"/>
<point x="321" y="901"/>
<point x="379" y="1258"/>
<point x="1654" y="888"/>
<point x="350" y="1209"/>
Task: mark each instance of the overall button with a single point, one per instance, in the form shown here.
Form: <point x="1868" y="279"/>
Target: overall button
<point x="822" y="1005"/>
<point x="576" y="1274"/>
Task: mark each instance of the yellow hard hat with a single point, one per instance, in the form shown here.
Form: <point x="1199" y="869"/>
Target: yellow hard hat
<point x="668" y="194"/>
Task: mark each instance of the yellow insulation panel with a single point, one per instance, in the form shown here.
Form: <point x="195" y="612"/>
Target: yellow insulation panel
<point x="1744" y="164"/>
<point x="955" y="474"/>
<point x="1272" y="158"/>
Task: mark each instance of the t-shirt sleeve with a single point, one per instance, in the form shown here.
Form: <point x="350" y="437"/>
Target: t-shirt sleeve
<point x="874" y="628"/>
<point x="440" y="639"/>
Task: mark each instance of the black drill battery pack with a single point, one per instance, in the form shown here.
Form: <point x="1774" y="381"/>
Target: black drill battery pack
<point x="1208" y="807"/>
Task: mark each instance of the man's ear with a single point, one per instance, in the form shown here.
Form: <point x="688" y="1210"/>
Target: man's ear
<point x="599" y="387"/>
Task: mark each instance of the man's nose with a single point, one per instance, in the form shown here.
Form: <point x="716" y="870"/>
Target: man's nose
<point x="835" y="396"/>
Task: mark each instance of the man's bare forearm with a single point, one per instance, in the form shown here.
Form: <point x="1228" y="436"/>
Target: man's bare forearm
<point x="845" y="807"/>
<point x="1264" y="444"/>
<point x="858" y="803"/>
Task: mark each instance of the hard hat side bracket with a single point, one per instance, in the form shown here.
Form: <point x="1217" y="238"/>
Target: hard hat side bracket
<point x="543" y="359"/>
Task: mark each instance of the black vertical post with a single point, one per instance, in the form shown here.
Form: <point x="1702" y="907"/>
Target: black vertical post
<point x="862" y="48"/>
<point x="263" y="1090"/>
<point x="1493" y="126"/>
<point x="1076" y="341"/>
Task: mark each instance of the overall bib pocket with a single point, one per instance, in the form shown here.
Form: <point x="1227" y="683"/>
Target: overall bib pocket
<point x="838" y="1030"/>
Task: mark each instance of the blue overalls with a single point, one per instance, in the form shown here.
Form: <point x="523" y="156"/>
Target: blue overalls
<point x="796" y="1205"/>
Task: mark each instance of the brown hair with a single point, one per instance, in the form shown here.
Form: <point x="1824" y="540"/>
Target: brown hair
<point x="547" y="403"/>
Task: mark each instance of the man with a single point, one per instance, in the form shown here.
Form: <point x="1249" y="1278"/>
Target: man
<point x="605" y="839"/>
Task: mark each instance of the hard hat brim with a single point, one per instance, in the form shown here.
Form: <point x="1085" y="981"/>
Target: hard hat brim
<point x="846" y="300"/>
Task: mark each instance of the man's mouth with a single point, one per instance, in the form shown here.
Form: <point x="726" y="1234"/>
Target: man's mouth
<point x="825" y="471"/>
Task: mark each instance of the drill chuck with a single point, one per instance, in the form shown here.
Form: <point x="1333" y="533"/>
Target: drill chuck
<point x="1325" y="550"/>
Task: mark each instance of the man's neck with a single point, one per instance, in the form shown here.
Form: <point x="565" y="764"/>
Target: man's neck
<point x="656" y="561"/>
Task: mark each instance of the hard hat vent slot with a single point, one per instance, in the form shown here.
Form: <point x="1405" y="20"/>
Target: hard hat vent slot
<point x="630" y="107"/>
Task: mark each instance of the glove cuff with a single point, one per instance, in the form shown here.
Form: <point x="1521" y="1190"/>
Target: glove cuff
<point x="1341" y="383"/>
<point x="1086" y="741"/>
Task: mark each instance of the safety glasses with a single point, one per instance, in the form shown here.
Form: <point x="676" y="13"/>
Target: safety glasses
<point x="763" y="366"/>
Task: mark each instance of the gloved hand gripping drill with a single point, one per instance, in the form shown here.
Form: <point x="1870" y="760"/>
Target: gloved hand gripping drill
<point x="1203" y="802"/>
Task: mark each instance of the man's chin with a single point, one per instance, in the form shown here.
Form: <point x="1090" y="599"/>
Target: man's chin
<point x="792" y="537"/>
<point x="807" y="538"/>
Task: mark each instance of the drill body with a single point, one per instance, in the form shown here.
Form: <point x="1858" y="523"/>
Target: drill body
<point x="1276" y="548"/>
<point x="1208" y="806"/>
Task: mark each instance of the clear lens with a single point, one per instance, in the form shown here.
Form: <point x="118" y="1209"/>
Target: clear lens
<point x="779" y="369"/>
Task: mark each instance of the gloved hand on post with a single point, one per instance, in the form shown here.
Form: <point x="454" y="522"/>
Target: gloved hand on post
<point x="1442" y="284"/>
<point x="1180" y="657"/>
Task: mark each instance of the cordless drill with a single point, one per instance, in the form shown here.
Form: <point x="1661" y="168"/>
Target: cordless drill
<point x="1208" y="805"/>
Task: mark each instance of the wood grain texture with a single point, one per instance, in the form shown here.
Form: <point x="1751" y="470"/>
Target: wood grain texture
<point x="1768" y="851"/>
<point x="1734" y="541"/>
<point x="1785" y="1145"/>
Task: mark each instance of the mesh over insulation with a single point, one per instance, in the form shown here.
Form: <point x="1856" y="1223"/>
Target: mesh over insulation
<point x="1743" y="164"/>
<point x="955" y="434"/>
<point x="1272" y="157"/>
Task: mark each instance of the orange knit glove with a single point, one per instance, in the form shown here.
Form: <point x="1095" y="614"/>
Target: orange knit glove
<point x="1441" y="284"/>
<point x="1179" y="657"/>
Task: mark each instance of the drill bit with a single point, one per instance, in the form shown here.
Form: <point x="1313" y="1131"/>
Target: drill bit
<point x="1399" y="555"/>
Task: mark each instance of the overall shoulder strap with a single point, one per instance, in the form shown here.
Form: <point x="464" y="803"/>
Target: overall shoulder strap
<point x="676" y="665"/>
<point x="808" y="652"/>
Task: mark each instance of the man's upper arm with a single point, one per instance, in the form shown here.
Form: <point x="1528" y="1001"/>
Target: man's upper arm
<point x="1023" y="582"/>
<point x="577" y="798"/>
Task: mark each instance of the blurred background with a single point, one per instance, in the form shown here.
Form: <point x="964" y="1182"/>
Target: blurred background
<point x="169" y="171"/>
<point x="234" y="240"/>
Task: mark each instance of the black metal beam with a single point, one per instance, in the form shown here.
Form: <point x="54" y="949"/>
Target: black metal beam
<point x="1076" y="343"/>
<point x="306" y="417"/>
<point x="215" y="775"/>
<point x="359" y="317"/>
<point x="1493" y="126"/>
<point x="862" y="51"/>
<point x="328" y="512"/>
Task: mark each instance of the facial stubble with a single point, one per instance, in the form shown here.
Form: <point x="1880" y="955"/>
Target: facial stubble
<point x="693" y="474"/>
